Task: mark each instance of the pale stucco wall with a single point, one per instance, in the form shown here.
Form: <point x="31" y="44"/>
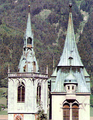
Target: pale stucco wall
<point x="84" y="107"/>
<point x="30" y="105"/>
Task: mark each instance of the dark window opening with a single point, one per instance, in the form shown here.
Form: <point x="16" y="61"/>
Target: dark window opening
<point x="28" y="48"/>
<point x="24" y="49"/>
<point x="72" y="87"/>
<point x="66" y="112"/>
<point x="38" y="93"/>
<point x="70" y="110"/>
<point x="29" y="40"/>
<point x="34" y="66"/>
<point x="69" y="80"/>
<point x="21" y="93"/>
<point x="75" y="112"/>
<point x="24" y="68"/>
<point x="68" y="87"/>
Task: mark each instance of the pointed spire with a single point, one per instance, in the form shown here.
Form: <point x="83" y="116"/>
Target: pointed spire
<point x="28" y="34"/>
<point x="28" y="62"/>
<point x="70" y="47"/>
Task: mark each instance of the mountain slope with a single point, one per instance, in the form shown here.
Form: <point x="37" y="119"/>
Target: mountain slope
<point x="49" y="24"/>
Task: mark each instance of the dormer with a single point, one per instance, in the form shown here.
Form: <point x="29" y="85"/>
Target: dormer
<point x="70" y="84"/>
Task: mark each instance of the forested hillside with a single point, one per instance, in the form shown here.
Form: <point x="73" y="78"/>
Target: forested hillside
<point x="49" y="23"/>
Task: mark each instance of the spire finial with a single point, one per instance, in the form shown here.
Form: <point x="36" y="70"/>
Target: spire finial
<point x="70" y="7"/>
<point x="28" y="8"/>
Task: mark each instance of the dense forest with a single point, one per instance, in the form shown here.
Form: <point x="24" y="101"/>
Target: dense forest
<point x="49" y="20"/>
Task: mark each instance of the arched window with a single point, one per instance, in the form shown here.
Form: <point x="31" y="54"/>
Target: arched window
<point x="24" y="68"/>
<point x="70" y="110"/>
<point x="21" y="92"/>
<point x="29" y="40"/>
<point x="38" y="93"/>
<point x="75" y="111"/>
<point x="66" y="111"/>
<point x="34" y="66"/>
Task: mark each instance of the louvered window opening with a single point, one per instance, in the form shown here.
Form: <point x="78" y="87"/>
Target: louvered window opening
<point x="75" y="112"/>
<point x="70" y="110"/>
<point x="66" y="112"/>
<point x="21" y="93"/>
<point x="38" y="93"/>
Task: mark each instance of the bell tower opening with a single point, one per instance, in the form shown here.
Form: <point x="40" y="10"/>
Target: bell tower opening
<point x="34" y="66"/>
<point x="21" y="92"/>
<point x="71" y="110"/>
<point x="75" y="111"/>
<point x="38" y="93"/>
<point x="66" y="111"/>
<point x="29" y="40"/>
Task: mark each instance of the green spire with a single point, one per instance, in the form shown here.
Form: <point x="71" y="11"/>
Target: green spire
<point x="70" y="47"/>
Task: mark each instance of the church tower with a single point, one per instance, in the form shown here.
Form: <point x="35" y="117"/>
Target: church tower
<point x="27" y="89"/>
<point x="28" y="62"/>
<point x="69" y="84"/>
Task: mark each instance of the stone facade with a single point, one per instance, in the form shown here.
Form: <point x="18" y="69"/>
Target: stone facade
<point x="57" y="105"/>
<point x="29" y="107"/>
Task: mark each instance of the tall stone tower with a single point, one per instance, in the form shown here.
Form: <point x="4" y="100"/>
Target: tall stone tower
<point x="69" y="84"/>
<point x="27" y="89"/>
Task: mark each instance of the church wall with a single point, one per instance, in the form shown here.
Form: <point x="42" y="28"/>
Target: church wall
<point x="84" y="111"/>
<point x="29" y="117"/>
<point x="44" y="95"/>
<point x="84" y="106"/>
<point x="30" y="105"/>
<point x="10" y="116"/>
<point x="10" y="96"/>
<point x="57" y="107"/>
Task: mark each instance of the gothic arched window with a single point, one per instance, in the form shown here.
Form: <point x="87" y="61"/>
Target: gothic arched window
<point x="34" y="66"/>
<point x="38" y="93"/>
<point x="29" y="40"/>
<point x="75" y="111"/>
<point x="70" y="110"/>
<point x="21" y="92"/>
<point x="66" y="111"/>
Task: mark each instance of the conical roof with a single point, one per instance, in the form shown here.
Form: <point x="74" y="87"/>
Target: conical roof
<point x="70" y="55"/>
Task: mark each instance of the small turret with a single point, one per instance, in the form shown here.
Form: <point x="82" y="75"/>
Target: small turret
<point x="70" y="84"/>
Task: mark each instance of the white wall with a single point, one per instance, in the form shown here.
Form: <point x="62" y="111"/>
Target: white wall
<point x="84" y="107"/>
<point x="30" y="105"/>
